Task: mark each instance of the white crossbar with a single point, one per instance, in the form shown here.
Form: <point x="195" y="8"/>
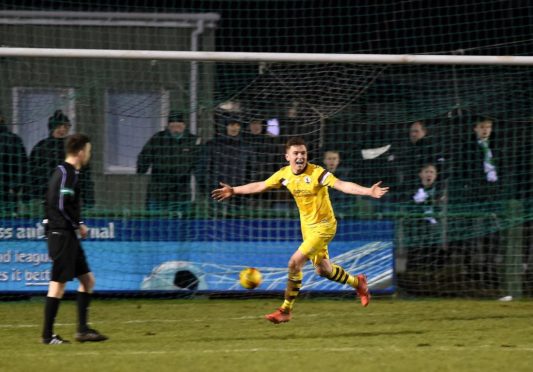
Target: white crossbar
<point x="414" y="59"/>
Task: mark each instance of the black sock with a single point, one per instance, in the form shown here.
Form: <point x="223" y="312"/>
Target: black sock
<point x="50" y="311"/>
<point x="84" y="299"/>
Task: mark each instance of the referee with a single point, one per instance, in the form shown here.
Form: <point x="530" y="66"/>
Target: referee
<point x="62" y="221"/>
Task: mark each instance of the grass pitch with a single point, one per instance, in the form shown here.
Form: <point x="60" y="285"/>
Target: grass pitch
<point x="231" y="335"/>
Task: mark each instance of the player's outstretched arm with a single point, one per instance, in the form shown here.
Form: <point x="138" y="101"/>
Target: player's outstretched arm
<point x="352" y="188"/>
<point x="226" y="191"/>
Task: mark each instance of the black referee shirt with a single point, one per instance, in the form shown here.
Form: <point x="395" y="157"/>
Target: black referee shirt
<point x="62" y="204"/>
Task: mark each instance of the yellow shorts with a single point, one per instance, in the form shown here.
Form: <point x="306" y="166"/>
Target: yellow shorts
<point x="316" y="239"/>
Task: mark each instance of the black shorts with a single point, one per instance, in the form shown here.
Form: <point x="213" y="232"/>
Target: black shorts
<point x="67" y="255"/>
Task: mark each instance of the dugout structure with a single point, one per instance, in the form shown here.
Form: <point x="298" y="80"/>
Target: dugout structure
<point x="99" y="91"/>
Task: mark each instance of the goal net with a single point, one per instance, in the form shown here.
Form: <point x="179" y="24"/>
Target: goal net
<point x="452" y="141"/>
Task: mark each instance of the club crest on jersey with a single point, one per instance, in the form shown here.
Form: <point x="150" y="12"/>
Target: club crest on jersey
<point x="307" y="179"/>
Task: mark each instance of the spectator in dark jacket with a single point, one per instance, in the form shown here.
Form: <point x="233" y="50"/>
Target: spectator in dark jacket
<point x="172" y="155"/>
<point x="227" y="157"/>
<point x="260" y="145"/>
<point x="12" y="169"/>
<point x="261" y="156"/>
<point x="480" y="170"/>
<point x="226" y="160"/>
<point x="480" y="178"/>
<point x="48" y="153"/>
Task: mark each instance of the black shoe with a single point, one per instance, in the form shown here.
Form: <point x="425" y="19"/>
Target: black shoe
<point x="90" y="335"/>
<point x="55" y="340"/>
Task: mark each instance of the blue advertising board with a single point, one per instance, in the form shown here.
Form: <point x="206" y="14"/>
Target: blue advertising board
<point x="148" y="255"/>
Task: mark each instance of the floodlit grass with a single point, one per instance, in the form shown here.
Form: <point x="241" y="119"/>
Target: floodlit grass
<point x="231" y="335"/>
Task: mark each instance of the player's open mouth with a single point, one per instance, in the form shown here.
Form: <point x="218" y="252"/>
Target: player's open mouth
<point x="300" y="162"/>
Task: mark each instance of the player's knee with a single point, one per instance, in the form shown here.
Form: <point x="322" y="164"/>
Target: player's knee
<point x="56" y="290"/>
<point x="294" y="266"/>
<point x="322" y="271"/>
<point x="88" y="283"/>
<point x="58" y="293"/>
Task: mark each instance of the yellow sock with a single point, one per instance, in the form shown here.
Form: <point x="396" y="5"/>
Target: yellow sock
<point x="293" y="289"/>
<point x="340" y="276"/>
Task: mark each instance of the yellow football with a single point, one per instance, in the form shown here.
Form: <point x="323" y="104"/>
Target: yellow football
<point x="250" y="278"/>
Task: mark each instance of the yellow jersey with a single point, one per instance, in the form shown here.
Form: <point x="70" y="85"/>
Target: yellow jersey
<point x="309" y="191"/>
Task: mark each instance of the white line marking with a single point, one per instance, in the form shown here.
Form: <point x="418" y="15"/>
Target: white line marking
<point x="144" y="321"/>
<point x="373" y="349"/>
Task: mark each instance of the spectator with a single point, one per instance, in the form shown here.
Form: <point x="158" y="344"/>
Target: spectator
<point x="258" y="144"/>
<point x="300" y="116"/>
<point x="419" y="150"/>
<point x="424" y="231"/>
<point x="259" y="148"/>
<point x="172" y="155"/>
<point x="48" y="153"/>
<point x="332" y="163"/>
<point x="480" y="171"/>
<point x="227" y="157"/>
<point x="223" y="152"/>
<point x="13" y="169"/>
<point x="480" y="175"/>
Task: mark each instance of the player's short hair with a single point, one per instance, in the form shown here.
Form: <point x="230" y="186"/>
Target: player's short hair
<point x="295" y="141"/>
<point x="75" y="143"/>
